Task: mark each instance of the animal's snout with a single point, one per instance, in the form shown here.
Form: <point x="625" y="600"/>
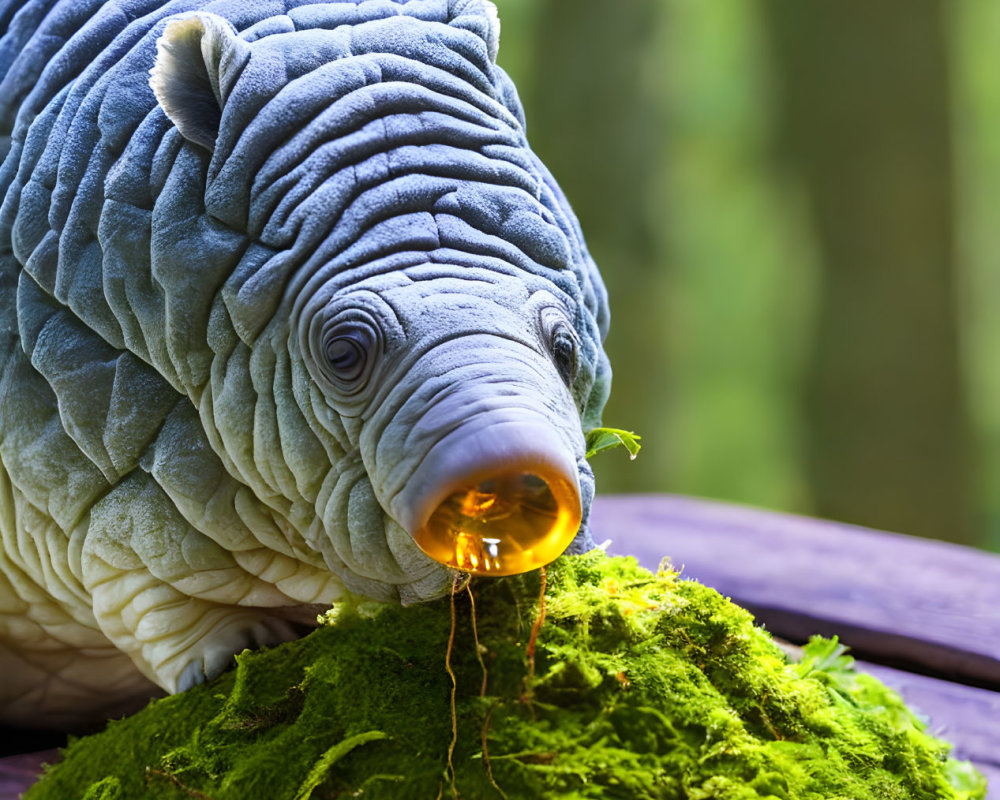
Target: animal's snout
<point x="508" y="522"/>
<point x="498" y="495"/>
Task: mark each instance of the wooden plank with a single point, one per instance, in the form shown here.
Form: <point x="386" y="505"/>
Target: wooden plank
<point x="992" y="775"/>
<point x="17" y="773"/>
<point x="924" y="605"/>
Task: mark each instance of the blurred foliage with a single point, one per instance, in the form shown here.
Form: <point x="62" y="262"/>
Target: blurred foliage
<point x="792" y="212"/>
<point x="975" y="115"/>
<point x="864" y="119"/>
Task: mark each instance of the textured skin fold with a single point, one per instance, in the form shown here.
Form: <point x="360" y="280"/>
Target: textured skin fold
<point x="180" y="476"/>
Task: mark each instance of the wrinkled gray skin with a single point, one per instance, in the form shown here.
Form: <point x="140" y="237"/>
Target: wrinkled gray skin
<point x="194" y="453"/>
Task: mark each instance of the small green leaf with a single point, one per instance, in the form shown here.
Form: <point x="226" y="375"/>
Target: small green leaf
<point x="606" y="438"/>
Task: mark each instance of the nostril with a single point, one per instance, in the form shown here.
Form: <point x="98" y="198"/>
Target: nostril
<point x="508" y="523"/>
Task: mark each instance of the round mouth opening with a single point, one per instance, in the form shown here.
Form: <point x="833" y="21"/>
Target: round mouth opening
<point x="506" y="524"/>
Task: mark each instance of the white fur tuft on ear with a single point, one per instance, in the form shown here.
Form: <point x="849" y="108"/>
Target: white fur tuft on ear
<point x="186" y="75"/>
<point x="493" y="41"/>
<point x="479" y="16"/>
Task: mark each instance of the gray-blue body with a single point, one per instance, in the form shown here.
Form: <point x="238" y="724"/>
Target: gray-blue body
<point x="181" y="473"/>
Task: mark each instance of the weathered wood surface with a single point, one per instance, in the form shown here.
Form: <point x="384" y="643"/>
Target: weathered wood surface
<point x="922" y="606"/>
<point x="17" y="773"/>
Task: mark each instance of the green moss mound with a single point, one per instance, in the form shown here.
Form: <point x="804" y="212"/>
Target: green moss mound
<point x="644" y="686"/>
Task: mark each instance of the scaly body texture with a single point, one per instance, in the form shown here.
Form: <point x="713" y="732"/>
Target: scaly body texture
<point x="259" y="316"/>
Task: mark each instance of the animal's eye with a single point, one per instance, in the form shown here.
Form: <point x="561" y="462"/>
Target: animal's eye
<point x="349" y="348"/>
<point x="562" y="342"/>
<point x="346" y="355"/>
<point x="564" y="353"/>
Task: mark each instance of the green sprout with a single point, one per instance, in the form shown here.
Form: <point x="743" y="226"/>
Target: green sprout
<point x="600" y="439"/>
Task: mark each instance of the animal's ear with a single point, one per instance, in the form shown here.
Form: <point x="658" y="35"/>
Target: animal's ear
<point x="479" y="16"/>
<point x="192" y="55"/>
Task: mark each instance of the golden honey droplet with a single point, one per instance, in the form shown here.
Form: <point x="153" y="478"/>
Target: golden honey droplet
<point x="507" y="524"/>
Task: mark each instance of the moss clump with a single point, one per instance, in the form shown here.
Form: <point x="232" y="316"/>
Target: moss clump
<point x="644" y="686"/>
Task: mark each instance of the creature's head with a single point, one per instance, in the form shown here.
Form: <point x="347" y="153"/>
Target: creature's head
<point x="467" y="387"/>
<point x="442" y="316"/>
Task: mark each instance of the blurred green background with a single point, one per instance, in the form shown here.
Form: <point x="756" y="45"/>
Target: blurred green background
<point x="793" y="206"/>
